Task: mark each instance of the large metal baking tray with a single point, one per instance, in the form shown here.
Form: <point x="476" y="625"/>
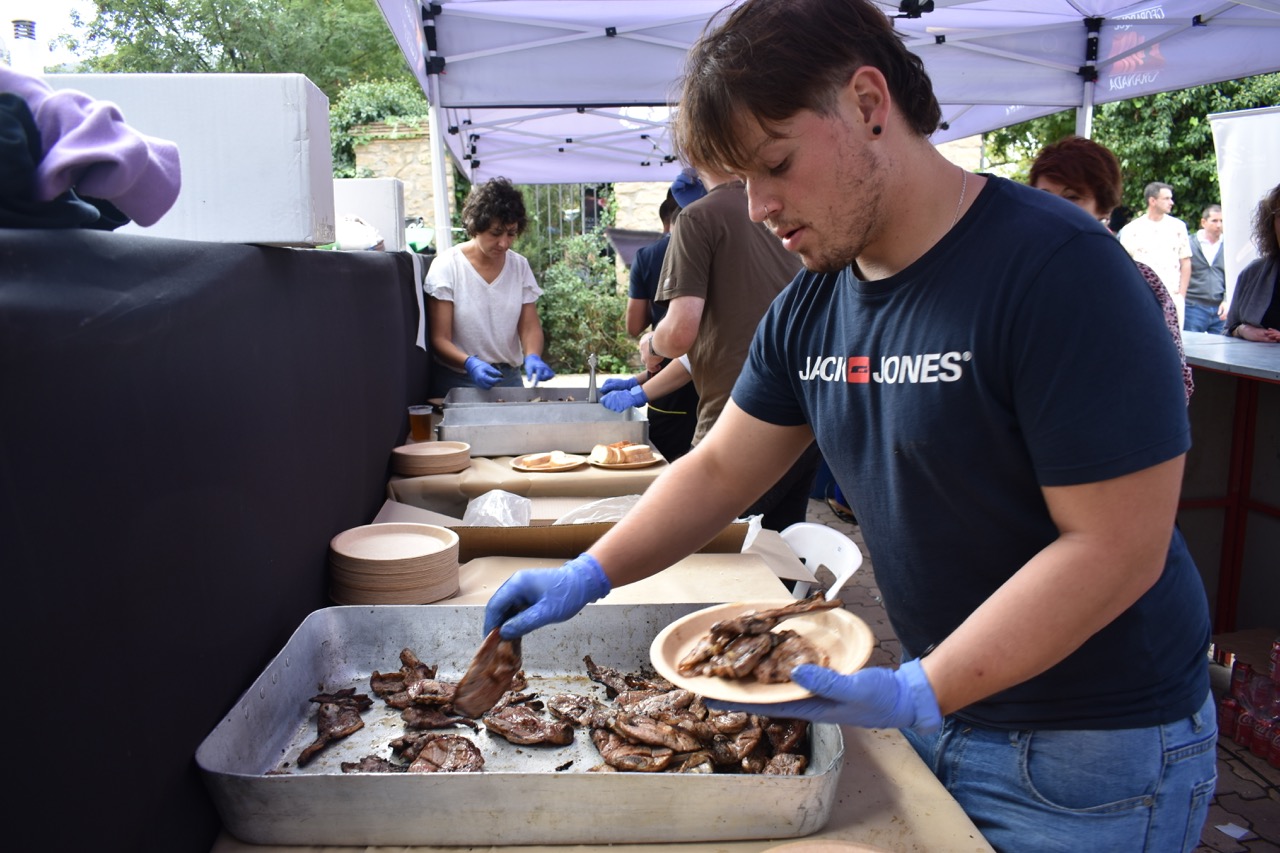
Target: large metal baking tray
<point x="525" y="795"/>
<point x="517" y="394"/>
<point x="513" y="428"/>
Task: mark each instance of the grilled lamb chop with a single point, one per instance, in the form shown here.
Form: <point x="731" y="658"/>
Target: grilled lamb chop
<point x="447" y="754"/>
<point x="433" y="717"/>
<point x="789" y="651"/>
<point x="338" y="717"/>
<point x="764" y="621"/>
<point x="693" y="762"/>
<point x="619" y="754"/>
<point x="785" y="735"/>
<point x="573" y="708"/>
<point x="786" y="764"/>
<point x="490" y="674"/>
<point x="638" y="728"/>
<point x="520" y="724"/>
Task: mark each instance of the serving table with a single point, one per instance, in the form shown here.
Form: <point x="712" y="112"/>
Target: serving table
<point x="886" y="797"/>
<point x="449" y="493"/>
<point x="1230" y="507"/>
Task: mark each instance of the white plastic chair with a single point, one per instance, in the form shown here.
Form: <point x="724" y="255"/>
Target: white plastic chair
<point x="818" y="545"/>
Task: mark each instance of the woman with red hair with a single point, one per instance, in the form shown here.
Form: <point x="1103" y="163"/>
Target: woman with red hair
<point x="1088" y="175"/>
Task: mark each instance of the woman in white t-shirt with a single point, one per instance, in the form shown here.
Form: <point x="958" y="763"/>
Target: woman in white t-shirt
<point x="481" y="299"/>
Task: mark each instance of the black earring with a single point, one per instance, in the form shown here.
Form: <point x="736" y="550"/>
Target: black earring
<point x="875" y="128"/>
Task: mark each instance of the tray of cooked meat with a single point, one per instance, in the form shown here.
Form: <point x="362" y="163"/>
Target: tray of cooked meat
<point x="356" y="734"/>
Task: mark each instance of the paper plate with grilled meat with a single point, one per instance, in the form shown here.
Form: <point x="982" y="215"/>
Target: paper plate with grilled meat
<point x="744" y="651"/>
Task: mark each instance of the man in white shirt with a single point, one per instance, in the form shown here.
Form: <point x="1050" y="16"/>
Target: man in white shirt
<point x="1207" y="288"/>
<point x="1160" y="241"/>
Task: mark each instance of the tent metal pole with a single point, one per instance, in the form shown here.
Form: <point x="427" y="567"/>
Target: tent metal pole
<point x="1084" y="112"/>
<point x="439" y="158"/>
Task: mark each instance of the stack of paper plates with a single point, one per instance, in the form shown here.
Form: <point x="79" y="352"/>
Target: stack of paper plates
<point x="431" y="457"/>
<point x="393" y="563"/>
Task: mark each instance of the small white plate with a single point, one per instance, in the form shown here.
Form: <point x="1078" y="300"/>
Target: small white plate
<point x="571" y="462"/>
<point x="846" y="640"/>
<point x="623" y="466"/>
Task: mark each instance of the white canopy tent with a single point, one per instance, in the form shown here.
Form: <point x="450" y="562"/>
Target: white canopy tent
<point x="561" y="91"/>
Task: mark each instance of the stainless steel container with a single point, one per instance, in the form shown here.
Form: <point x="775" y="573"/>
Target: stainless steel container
<point x="525" y="795"/>
<point x="508" y="421"/>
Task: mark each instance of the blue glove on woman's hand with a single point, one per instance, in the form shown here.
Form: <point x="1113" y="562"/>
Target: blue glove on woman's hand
<point x="619" y="384"/>
<point x="536" y="368"/>
<point x="620" y="401"/>
<point x="484" y="374"/>
<point x="877" y="698"/>
<point x="532" y="598"/>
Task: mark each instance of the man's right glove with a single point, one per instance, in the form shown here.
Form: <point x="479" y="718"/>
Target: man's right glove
<point x="484" y="374"/>
<point x="874" y="698"/>
<point x="532" y="598"/>
<point x="620" y="401"/>
<point x="619" y="384"/>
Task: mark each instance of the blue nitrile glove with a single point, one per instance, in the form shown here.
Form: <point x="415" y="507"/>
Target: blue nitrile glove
<point x="532" y="598"/>
<point x="877" y="698"/>
<point x="536" y="368"/>
<point x="616" y="384"/>
<point x="484" y="374"/>
<point x="620" y="401"/>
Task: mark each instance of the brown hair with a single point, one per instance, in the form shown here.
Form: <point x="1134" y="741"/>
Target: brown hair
<point x="496" y="200"/>
<point x="1084" y="166"/>
<point x="769" y="59"/>
<point x="1264" y="229"/>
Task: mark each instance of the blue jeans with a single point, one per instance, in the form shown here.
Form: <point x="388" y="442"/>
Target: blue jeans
<point x="1124" y="790"/>
<point x="1203" y="318"/>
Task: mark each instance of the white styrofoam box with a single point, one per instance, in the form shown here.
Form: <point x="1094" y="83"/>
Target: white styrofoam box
<point x="378" y="201"/>
<point x="256" y="163"/>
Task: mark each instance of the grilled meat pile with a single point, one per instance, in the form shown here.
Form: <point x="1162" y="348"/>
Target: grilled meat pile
<point x="748" y="647"/>
<point x="653" y="726"/>
<point x="639" y="723"/>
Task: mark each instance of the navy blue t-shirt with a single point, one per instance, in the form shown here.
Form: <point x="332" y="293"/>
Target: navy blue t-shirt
<point x="646" y="269"/>
<point x="1023" y="350"/>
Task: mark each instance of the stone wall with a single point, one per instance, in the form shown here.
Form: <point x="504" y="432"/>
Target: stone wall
<point x="404" y="153"/>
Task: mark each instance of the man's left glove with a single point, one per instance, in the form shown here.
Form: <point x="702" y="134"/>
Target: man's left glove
<point x="536" y="368"/>
<point x="532" y="598"/>
<point x="877" y="698"/>
<point x="620" y="401"/>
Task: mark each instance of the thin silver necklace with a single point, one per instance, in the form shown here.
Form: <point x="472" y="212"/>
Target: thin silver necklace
<point x="964" y="185"/>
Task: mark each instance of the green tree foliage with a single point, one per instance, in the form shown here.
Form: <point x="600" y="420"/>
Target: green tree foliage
<point x="582" y="307"/>
<point x="394" y="102"/>
<point x="334" y="42"/>
<point x="1163" y="137"/>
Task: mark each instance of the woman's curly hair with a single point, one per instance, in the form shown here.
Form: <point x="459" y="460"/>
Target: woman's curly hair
<point x="494" y="201"/>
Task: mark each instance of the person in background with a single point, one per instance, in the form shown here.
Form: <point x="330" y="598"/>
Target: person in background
<point x="673" y="415"/>
<point x="482" y="299"/>
<point x="1255" y="307"/>
<point x="1160" y="241"/>
<point x="721" y="273"/>
<point x="1014" y="452"/>
<point x="1207" y="287"/>
<point x="1088" y="175"/>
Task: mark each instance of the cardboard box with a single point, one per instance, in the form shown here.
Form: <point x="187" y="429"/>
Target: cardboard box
<point x="560" y="541"/>
<point x="256" y="162"/>
<point x="378" y="201"/>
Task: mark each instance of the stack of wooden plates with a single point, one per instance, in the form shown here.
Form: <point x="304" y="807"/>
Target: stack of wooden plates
<point x="431" y="457"/>
<point x="393" y="563"/>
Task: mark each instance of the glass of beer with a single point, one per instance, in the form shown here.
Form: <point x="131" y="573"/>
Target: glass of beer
<point x="420" y="426"/>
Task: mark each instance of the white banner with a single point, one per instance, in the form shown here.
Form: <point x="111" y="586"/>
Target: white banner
<point x="1248" y="147"/>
